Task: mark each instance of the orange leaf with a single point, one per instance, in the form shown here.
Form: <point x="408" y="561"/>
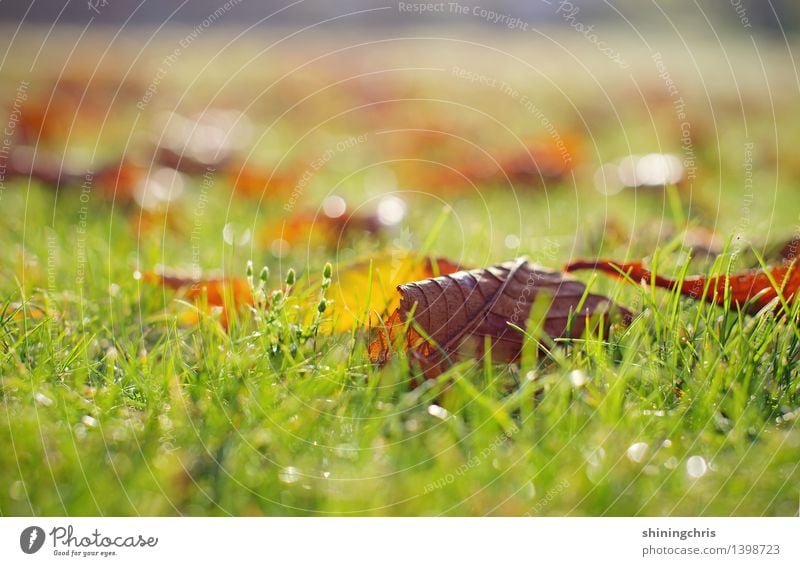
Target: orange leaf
<point x="256" y="182"/>
<point x="752" y="290"/>
<point x="119" y="181"/>
<point x="308" y="228"/>
<point x="229" y="293"/>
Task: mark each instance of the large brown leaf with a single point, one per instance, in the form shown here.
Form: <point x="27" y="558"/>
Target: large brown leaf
<point x="455" y="314"/>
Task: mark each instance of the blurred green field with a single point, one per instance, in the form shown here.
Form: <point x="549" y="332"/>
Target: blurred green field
<point x="112" y="406"/>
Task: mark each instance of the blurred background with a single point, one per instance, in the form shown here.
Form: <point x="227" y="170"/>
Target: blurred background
<point x="770" y="16"/>
<point x="619" y="126"/>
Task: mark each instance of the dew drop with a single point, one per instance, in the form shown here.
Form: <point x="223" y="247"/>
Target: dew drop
<point x="43" y="399"/>
<point x="637" y="452"/>
<point x="696" y="466"/>
<point x="438" y="412"/>
<point x="334" y="206"/>
<point x="289" y="475"/>
<point x="577" y="378"/>
<point x="89" y="421"/>
<point x="512" y="241"/>
<point x="391" y="210"/>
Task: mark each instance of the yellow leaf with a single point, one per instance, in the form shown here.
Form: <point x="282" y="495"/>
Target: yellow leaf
<point x="365" y="291"/>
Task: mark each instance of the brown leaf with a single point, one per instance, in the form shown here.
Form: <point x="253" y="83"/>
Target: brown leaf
<point x="752" y="290"/>
<point x="458" y="312"/>
<point x="202" y="143"/>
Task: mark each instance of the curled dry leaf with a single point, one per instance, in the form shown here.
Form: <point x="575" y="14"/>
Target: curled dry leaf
<point x="752" y="290"/>
<point x="454" y="315"/>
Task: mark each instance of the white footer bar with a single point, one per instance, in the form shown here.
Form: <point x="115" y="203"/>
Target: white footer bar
<point x="400" y="541"/>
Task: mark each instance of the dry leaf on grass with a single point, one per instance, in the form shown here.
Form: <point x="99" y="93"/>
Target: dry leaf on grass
<point x="751" y="290"/>
<point x="224" y="293"/>
<point x="454" y="315"/>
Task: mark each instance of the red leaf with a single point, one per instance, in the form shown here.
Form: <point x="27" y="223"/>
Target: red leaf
<point x="752" y="289"/>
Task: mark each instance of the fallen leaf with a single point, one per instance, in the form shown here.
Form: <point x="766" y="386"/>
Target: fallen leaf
<point x="311" y="229"/>
<point x="360" y="293"/>
<point x="332" y="224"/>
<point x="29" y="162"/>
<point x="143" y="222"/>
<point x="26" y="311"/>
<point x="119" y="181"/>
<point x="202" y="143"/>
<point x="80" y="102"/>
<point x="226" y="294"/>
<point x="534" y="165"/>
<point x="352" y="287"/>
<point x="752" y="290"/>
<point x="457" y="313"/>
<point x="259" y="182"/>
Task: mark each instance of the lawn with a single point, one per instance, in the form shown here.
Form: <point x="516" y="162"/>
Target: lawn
<point x="121" y="397"/>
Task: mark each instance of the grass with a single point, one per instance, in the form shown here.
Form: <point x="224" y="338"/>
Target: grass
<point x="111" y="406"/>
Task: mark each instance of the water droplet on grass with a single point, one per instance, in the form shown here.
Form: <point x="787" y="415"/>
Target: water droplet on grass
<point x="232" y="234"/>
<point x="578" y="378"/>
<point x="637" y="452"/>
<point x="595" y="457"/>
<point x="334" y="206"/>
<point x="43" y="399"/>
<point x="391" y="210"/>
<point x="438" y="412"/>
<point x="289" y="475"/>
<point x="512" y="241"/>
<point x="606" y="179"/>
<point x="696" y="466"/>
